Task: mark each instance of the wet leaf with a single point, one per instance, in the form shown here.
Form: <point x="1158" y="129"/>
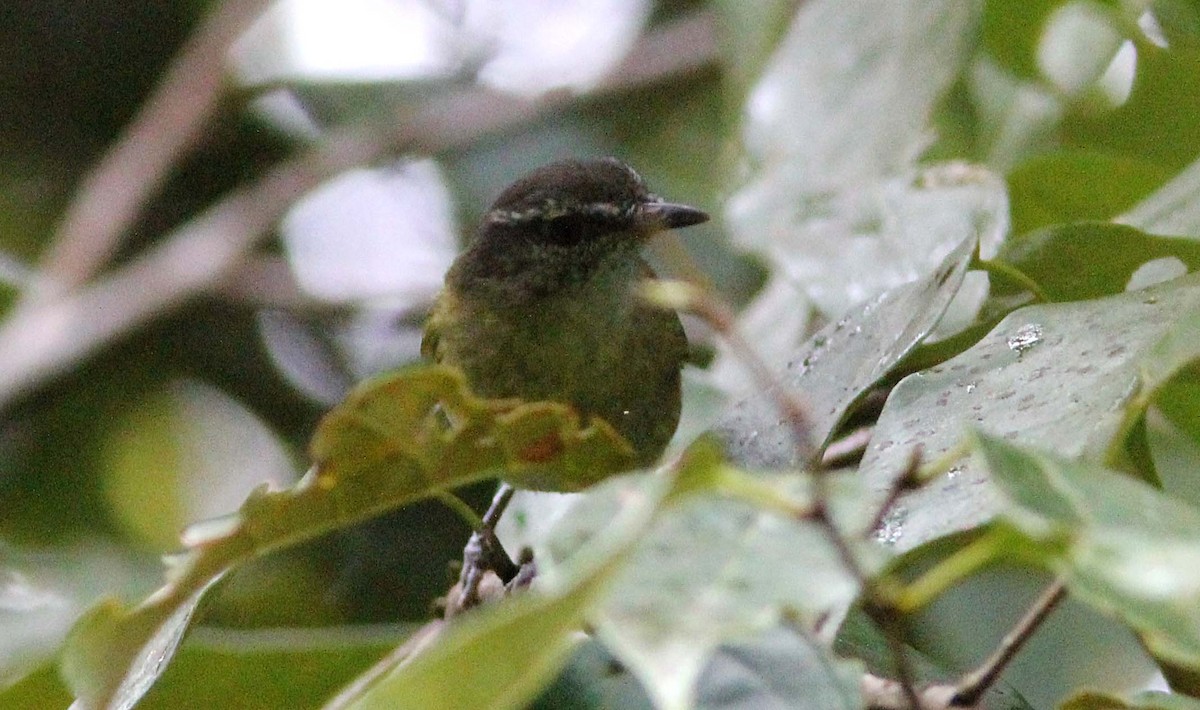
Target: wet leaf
<point x="1059" y="377"/>
<point x="714" y="568"/>
<point x="830" y="133"/>
<point x="838" y="364"/>
<point x="501" y="655"/>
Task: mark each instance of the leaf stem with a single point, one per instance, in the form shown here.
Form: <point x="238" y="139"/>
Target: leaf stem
<point x="1010" y="273"/>
<point x="958" y="566"/>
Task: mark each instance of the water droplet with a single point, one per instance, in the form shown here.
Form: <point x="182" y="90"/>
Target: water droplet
<point x="1025" y="338"/>
<point x="971" y="387"/>
<point x="954" y="472"/>
<point x="892" y="526"/>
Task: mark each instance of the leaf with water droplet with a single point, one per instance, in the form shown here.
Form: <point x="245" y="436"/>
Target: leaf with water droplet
<point x="1025" y="338"/>
<point x="842" y="361"/>
<point x="1073" y="393"/>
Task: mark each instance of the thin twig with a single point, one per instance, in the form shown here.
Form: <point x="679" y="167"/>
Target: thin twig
<point x="974" y="684"/>
<point x="721" y="319"/>
<point x="906" y="481"/>
<point x="168" y="125"/>
<point x="50" y="335"/>
<point x="484" y="552"/>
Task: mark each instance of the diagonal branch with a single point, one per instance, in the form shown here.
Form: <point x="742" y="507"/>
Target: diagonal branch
<point x="168" y="125"/>
<point x="47" y="336"/>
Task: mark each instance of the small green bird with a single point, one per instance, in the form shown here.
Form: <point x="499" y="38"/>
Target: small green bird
<point x="541" y="305"/>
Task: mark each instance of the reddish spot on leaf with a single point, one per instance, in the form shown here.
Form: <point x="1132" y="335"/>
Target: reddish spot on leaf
<point x="545" y="449"/>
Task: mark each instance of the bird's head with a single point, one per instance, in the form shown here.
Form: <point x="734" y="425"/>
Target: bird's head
<point x="574" y="201"/>
<point x="561" y="223"/>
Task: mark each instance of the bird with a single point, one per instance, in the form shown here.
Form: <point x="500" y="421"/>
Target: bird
<point x="542" y="303"/>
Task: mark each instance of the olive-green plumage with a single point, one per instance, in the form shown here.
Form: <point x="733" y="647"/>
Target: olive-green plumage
<point x="541" y="305"/>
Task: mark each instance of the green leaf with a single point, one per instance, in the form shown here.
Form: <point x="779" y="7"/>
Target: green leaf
<point x="396" y="439"/>
<point x="1012" y="31"/>
<point x="716" y="566"/>
<point x="1077" y="185"/>
<point x="267" y="669"/>
<point x="38" y="690"/>
<point x="838" y="364"/>
<point x="498" y="657"/>
<point x="114" y="655"/>
<point x="1157" y="122"/>
<point x="779" y="669"/>
<point x="1058" y="377"/>
<point x="1122" y="546"/>
<point x="1148" y="700"/>
<point x="502" y="655"/>
<point x="1075" y="262"/>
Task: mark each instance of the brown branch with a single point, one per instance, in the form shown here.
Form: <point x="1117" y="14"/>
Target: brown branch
<point x="45" y="337"/>
<point x="907" y="480"/>
<point x="973" y="685"/>
<point x="49" y="335"/>
<point x="168" y="125"/>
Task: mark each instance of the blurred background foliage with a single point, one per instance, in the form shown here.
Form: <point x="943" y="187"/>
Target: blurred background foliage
<point x="1020" y="114"/>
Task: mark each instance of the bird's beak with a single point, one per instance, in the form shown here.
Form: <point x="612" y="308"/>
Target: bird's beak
<point x="666" y="215"/>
